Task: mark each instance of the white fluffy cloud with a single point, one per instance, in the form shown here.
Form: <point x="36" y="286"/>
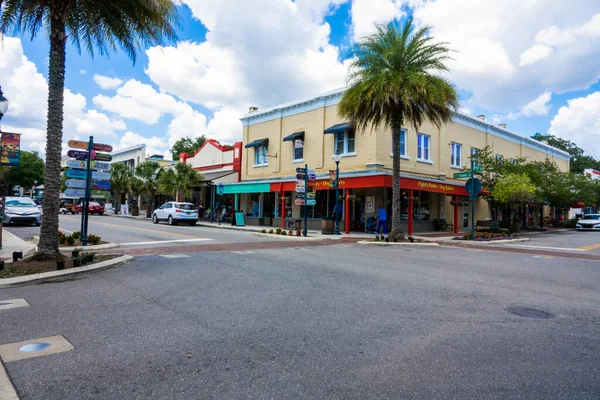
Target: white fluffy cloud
<point x="106" y="82"/>
<point x="579" y="121"/>
<point x="154" y="144"/>
<point x="367" y="13"/>
<point x="548" y="46"/>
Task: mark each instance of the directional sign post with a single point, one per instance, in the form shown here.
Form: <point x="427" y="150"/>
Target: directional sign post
<point x="220" y="191"/>
<point x="473" y="187"/>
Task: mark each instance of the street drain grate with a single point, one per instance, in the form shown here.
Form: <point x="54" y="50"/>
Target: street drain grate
<point x="30" y="348"/>
<point x="530" y="313"/>
<point x="6" y="303"/>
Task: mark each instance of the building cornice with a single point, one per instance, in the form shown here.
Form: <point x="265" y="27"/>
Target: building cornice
<point x="333" y="97"/>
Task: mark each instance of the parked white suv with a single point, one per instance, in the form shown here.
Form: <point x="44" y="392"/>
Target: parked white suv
<point x="174" y="212"/>
<point x="21" y="210"/>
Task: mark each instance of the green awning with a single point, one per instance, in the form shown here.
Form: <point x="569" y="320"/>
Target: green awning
<point x="247" y="188"/>
<point x="294" y="136"/>
<point x="257" y="143"/>
<point x="338" y="128"/>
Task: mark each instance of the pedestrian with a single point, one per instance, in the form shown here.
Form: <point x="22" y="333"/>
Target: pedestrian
<point x="337" y="211"/>
<point x="200" y="210"/>
<point x="382" y="220"/>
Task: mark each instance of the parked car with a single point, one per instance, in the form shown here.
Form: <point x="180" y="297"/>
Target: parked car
<point x="21" y="210"/>
<point x="93" y="208"/>
<point x="589" y="222"/>
<point x="175" y="212"/>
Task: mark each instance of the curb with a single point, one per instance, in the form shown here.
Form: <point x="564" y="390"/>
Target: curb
<point x="491" y="242"/>
<point x="30" y="250"/>
<point x="48" y="276"/>
<point x="425" y="244"/>
<point x="7" y="389"/>
<point x="104" y="246"/>
<point x="337" y="237"/>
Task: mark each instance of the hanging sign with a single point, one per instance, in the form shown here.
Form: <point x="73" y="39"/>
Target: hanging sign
<point x="78" y="144"/>
<point x="97" y="165"/>
<point x="10" y="149"/>
<point x="75" y="183"/>
<point x="75" y="193"/>
<point x="83" y="155"/>
<point x="81" y="174"/>
<point x="100" y="185"/>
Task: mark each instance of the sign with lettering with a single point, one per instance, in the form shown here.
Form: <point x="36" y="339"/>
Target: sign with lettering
<point x="299" y="195"/>
<point x="78" y="144"/>
<point x="81" y="174"/>
<point x="460" y="175"/>
<point x="300" y="189"/>
<point x="80" y="184"/>
<point x="300" y="170"/>
<point x="97" y="165"/>
<point x="300" y="202"/>
<point x="83" y="155"/>
<point x="438" y="187"/>
<point x="74" y="193"/>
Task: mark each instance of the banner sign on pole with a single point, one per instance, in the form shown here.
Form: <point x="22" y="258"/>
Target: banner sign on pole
<point x="10" y="154"/>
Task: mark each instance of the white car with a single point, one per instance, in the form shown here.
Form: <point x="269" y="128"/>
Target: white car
<point x="21" y="210"/>
<point x="174" y="212"/>
<point x="590" y="222"/>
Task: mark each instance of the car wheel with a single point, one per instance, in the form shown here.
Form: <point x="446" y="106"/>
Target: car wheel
<point x="170" y="220"/>
<point x="155" y="219"/>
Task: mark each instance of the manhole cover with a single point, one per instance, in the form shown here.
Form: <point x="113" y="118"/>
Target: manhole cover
<point x="530" y="312"/>
<point x="29" y="348"/>
<point x="6" y="303"/>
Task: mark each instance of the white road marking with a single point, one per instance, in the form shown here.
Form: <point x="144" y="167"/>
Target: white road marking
<point x="542" y="247"/>
<point x="174" y="255"/>
<point x="546" y="257"/>
<point x="243" y="252"/>
<point x="166" y="241"/>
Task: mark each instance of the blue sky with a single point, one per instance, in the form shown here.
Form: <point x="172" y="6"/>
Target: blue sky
<point x="537" y="74"/>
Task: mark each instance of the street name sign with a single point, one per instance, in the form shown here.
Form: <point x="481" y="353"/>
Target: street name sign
<point x="75" y="193"/>
<point x="458" y="175"/>
<point x="309" y="202"/>
<point x="81" y="174"/>
<point x="83" y="155"/>
<point x="478" y="169"/>
<point x="299" y="195"/>
<point x="300" y="189"/>
<point x="78" y="144"/>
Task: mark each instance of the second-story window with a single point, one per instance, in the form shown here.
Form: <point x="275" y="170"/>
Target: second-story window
<point x="345" y="142"/>
<point x="402" y="142"/>
<point x="260" y="155"/>
<point x="423" y="142"/>
<point x="499" y="157"/>
<point x="456" y="155"/>
<point x="298" y="149"/>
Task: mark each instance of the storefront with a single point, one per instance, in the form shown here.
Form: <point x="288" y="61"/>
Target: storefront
<point x="423" y="202"/>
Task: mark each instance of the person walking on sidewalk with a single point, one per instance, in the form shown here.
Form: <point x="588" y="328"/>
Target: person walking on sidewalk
<point x="382" y="220"/>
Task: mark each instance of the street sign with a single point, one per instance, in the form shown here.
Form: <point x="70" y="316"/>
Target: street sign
<point x="309" y="202"/>
<point x="310" y="189"/>
<point x="300" y="170"/>
<point x="300" y="176"/>
<point x="299" y="195"/>
<point x="473" y="187"/>
<point x="81" y="174"/>
<point x="78" y="144"/>
<point x="299" y="202"/>
<point x="459" y="175"/>
<point x="300" y="189"/>
<point x="311" y="195"/>
<point x="100" y="185"/>
<point x="83" y="155"/>
<point x="80" y="184"/>
<point x="220" y="189"/>
<point x="75" y="193"/>
<point x="478" y="169"/>
<point x="300" y="183"/>
<point x="97" y="165"/>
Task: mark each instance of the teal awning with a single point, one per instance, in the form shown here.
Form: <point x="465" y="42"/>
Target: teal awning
<point x="294" y="136"/>
<point x="257" y="143"/>
<point x="247" y="188"/>
<point x="338" y="128"/>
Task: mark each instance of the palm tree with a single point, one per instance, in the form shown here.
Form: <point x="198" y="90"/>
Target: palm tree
<point x="179" y="180"/>
<point x="395" y="79"/>
<point x="147" y="173"/>
<point x="120" y="180"/>
<point x="97" y="26"/>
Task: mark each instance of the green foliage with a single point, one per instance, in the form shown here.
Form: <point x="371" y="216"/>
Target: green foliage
<point x="579" y="161"/>
<point x="187" y="145"/>
<point x="93" y="239"/>
<point x="263" y="231"/>
<point x="270" y="231"/>
<point x="31" y="169"/>
<point x="179" y="179"/>
<point x="120" y="180"/>
<point x="70" y="240"/>
<point x="76" y="235"/>
<point x="514" y="189"/>
<point x="146" y="178"/>
<point x="278" y="231"/>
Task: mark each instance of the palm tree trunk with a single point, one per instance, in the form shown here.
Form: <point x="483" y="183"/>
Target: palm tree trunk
<point x="396" y="233"/>
<point x="48" y="245"/>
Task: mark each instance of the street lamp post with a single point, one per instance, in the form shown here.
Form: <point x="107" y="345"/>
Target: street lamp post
<point x="3" y="108"/>
<point x="337" y="157"/>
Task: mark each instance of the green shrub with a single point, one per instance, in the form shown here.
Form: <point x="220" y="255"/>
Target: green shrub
<point x="62" y="239"/>
<point x="278" y="231"/>
<point x="271" y="231"/>
<point x="75" y="253"/>
<point x="263" y="231"/>
<point x="70" y="240"/>
<point x="93" y="239"/>
<point x="290" y="233"/>
<point x="76" y="235"/>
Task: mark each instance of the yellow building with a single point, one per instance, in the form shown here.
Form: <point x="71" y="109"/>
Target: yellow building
<point x="280" y="139"/>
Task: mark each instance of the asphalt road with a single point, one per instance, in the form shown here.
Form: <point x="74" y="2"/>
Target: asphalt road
<point x="573" y="241"/>
<point x="130" y="232"/>
<point x="331" y="322"/>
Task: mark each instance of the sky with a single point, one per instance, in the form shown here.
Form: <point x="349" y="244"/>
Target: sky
<point x="532" y="64"/>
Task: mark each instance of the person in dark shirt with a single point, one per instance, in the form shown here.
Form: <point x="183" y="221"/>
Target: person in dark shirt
<point x="382" y="220"/>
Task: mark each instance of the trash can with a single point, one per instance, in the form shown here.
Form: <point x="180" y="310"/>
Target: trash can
<point x="327" y="225"/>
<point x="135" y="211"/>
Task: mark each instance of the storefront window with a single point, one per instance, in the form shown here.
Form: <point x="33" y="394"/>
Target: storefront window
<point x="255" y="204"/>
<point x="421" y="206"/>
<point x="320" y="209"/>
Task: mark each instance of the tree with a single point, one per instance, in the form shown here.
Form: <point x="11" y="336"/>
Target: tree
<point x="579" y="161"/>
<point x="395" y="79"/>
<point x="187" y="145"/>
<point x="147" y="173"/>
<point x="179" y="180"/>
<point x="30" y="170"/>
<point x="514" y="190"/>
<point x="120" y="179"/>
<point x="97" y="26"/>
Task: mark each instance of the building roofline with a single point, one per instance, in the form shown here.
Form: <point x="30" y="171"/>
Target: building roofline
<point x="128" y="149"/>
<point x="333" y="97"/>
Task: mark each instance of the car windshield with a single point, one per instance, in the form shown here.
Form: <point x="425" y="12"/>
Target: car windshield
<point x="185" y="206"/>
<point x="20" y="203"/>
<point x="592" y="216"/>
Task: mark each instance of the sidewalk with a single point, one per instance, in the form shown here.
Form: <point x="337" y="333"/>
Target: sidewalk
<point x="12" y="243"/>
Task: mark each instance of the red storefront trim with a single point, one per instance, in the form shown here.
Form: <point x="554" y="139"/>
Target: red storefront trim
<point x="378" y="181"/>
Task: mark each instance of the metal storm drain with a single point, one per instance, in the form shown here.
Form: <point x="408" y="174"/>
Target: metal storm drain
<point x="30" y="348"/>
<point x="6" y="303"/>
<point x="530" y="313"/>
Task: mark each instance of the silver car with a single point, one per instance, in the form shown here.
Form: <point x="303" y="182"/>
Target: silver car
<point x="175" y="212"/>
<point x="590" y="222"/>
<point x="21" y="210"/>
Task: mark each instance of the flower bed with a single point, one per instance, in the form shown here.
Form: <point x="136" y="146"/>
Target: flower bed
<point x="74" y="239"/>
<point x="487" y="236"/>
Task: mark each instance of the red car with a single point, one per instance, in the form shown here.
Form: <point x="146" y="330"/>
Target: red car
<point x="93" y="208"/>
